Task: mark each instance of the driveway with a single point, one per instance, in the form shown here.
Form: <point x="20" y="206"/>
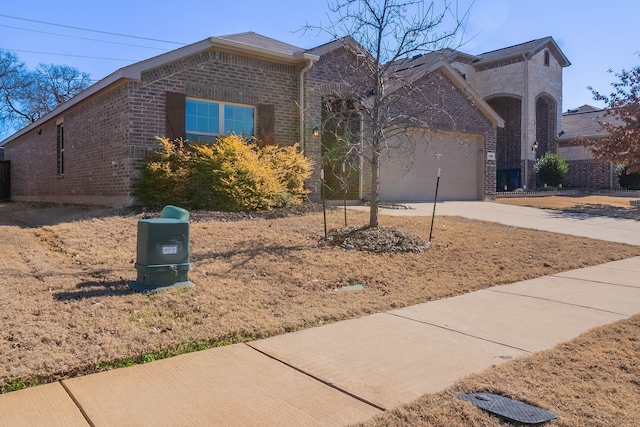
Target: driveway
<point x="577" y="224"/>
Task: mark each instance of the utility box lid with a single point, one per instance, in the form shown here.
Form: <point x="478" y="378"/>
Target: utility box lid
<point x="175" y="212"/>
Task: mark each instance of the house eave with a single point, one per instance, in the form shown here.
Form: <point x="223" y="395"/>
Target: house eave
<point x="134" y="72"/>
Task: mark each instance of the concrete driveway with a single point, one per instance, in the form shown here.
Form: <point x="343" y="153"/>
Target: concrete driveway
<point x="577" y="224"/>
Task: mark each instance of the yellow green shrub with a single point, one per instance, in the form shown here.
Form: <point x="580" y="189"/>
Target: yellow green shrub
<point x="230" y="174"/>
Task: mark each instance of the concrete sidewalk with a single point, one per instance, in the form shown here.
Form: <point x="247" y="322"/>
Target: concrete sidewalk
<point x="344" y="372"/>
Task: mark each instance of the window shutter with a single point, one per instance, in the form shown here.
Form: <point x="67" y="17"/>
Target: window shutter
<point x="175" y="111"/>
<point x="266" y="124"/>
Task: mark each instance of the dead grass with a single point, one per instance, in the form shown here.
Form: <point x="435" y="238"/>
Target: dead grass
<point x="591" y="380"/>
<point x="66" y="305"/>
<point x="611" y="206"/>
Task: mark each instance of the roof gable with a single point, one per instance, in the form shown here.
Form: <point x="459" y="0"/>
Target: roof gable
<point x="409" y="71"/>
<point x="268" y="44"/>
<point x="527" y="50"/>
<point x="244" y="43"/>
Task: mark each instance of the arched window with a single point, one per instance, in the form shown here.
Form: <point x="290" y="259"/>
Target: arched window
<point x="546" y="58"/>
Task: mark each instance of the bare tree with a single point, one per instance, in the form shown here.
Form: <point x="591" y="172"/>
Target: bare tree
<point x="27" y="95"/>
<point x="388" y="35"/>
<point x="12" y="82"/>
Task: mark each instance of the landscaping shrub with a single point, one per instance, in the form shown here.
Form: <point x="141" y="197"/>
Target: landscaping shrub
<point x="551" y="169"/>
<point x="166" y="175"/>
<point x="230" y="174"/>
<point x="630" y="181"/>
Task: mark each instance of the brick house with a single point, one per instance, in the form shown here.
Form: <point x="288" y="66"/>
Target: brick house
<point x="90" y="149"/>
<point x="579" y="126"/>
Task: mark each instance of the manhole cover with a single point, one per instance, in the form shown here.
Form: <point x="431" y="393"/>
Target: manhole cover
<point x="510" y="409"/>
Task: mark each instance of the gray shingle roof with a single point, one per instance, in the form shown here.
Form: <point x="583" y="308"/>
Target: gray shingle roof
<point x="254" y="39"/>
<point x="584" y="122"/>
<point x="529" y="48"/>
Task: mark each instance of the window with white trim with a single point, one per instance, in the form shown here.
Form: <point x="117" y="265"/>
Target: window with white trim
<point x="207" y="119"/>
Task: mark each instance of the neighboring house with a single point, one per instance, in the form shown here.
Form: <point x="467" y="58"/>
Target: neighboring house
<point x="90" y="149"/>
<point x="579" y="126"/>
<point x="523" y="84"/>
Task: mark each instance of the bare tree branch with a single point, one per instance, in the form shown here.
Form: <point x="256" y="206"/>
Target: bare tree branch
<point x="26" y="95"/>
<point x="382" y="88"/>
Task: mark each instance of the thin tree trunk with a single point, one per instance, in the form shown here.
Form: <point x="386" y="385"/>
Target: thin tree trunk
<point x="375" y="189"/>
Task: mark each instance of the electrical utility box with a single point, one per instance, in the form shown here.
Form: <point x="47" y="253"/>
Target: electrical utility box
<point x="163" y="251"/>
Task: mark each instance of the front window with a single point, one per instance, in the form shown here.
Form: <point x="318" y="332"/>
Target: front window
<point x="205" y="120"/>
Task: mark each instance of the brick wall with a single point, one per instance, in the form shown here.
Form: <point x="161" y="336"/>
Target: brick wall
<point x="95" y="155"/>
<point x="213" y="75"/>
<point x="508" y="150"/>
<point x="589" y="174"/>
<point x="334" y="73"/>
<point x="108" y="136"/>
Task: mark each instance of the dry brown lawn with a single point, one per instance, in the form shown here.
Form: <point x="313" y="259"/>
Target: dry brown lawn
<point x="612" y="206"/>
<point x="67" y="308"/>
<point x="592" y="380"/>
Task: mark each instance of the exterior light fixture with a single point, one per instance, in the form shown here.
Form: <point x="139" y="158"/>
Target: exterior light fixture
<point x="316" y="131"/>
<point x="534" y="147"/>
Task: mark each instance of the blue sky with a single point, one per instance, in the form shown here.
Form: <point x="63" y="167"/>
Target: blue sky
<point x="595" y="35"/>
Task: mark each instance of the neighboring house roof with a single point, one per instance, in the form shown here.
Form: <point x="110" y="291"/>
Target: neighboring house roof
<point x="584" y="122"/>
<point x="248" y="43"/>
<point x="527" y="49"/>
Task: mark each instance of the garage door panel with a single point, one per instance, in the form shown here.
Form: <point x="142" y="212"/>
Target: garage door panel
<point x="412" y="177"/>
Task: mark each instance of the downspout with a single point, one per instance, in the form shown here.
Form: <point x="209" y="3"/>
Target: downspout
<point x="525" y="113"/>
<point x="310" y="62"/>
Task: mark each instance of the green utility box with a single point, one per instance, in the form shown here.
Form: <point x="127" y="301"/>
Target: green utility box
<point x="163" y="251"/>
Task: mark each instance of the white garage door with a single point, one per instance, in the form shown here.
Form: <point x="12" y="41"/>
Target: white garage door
<point x="410" y="173"/>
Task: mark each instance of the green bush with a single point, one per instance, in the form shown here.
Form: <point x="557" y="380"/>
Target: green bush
<point x="551" y="169"/>
<point x="630" y="181"/>
<point x="230" y="174"/>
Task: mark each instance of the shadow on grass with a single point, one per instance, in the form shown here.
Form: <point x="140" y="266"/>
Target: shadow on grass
<point x="591" y="210"/>
<point x="94" y="289"/>
<point x="249" y="251"/>
<point x="34" y="215"/>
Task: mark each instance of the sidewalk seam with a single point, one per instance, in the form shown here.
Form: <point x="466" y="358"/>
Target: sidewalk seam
<point x="323" y="381"/>
<point x="625" y="315"/>
<point x="593" y="281"/>
<point x="77" y="403"/>
<point x="459" y="332"/>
